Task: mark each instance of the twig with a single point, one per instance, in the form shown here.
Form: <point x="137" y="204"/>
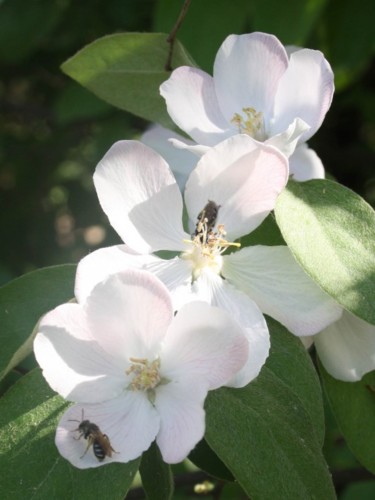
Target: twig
<point x="172" y="35"/>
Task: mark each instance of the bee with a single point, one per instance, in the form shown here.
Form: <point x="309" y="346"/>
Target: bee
<point x="206" y="219"/>
<point x="100" y="442"/>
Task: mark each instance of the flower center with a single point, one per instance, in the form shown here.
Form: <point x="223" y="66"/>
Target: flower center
<point x="145" y="374"/>
<point x="208" y="244"/>
<point x="251" y="124"/>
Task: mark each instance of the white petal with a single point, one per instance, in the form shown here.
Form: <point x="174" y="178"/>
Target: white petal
<point x="287" y="140"/>
<point x="191" y="103"/>
<point x="280" y="287"/>
<point x="182" y="425"/>
<point x="347" y="348"/>
<point x="307" y="341"/>
<point x="241" y="175"/>
<point x="247" y="71"/>
<point x="305" y="164"/>
<point x="130" y="422"/>
<point x="74" y="364"/>
<point x="305" y="91"/>
<point x="140" y="196"/>
<point x="220" y="293"/>
<point x="181" y="161"/>
<point x="129" y="314"/>
<point x="97" y="265"/>
<point x="204" y="341"/>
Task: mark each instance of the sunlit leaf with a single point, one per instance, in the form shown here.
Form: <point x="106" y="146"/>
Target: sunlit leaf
<point x="22" y="302"/>
<point x="126" y="70"/>
<point x="331" y="232"/>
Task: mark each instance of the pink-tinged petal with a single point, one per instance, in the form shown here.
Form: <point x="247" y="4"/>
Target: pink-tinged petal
<point x="241" y="175"/>
<point x="204" y="341"/>
<point x="305" y="164"/>
<point x="247" y="71"/>
<point x="182" y="417"/>
<point x="181" y="160"/>
<point x="130" y="422"/>
<point x="347" y="348"/>
<point x="305" y="91"/>
<point x="97" y="265"/>
<point x="73" y="363"/>
<point x="280" y="287"/>
<point x="191" y="103"/>
<point x="220" y="293"/>
<point x="140" y="196"/>
<point x="287" y="141"/>
<point x="129" y="314"/>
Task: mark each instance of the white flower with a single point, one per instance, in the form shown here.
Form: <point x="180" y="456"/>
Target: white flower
<point x="137" y="372"/>
<point x="276" y="95"/>
<point x="346" y="348"/>
<point x="243" y="179"/>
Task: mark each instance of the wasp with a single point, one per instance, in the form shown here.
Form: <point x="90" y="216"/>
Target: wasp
<point x="206" y="220"/>
<point x="100" y="442"/>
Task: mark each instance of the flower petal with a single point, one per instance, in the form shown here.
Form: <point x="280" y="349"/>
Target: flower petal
<point x="129" y="314"/>
<point x="247" y="70"/>
<point x="220" y="293"/>
<point x="130" y="422"/>
<point x="191" y="103"/>
<point x="182" y="417"/>
<point x="97" y="265"/>
<point x="287" y="141"/>
<point x="204" y="341"/>
<point x="73" y="363"/>
<point x="305" y="91"/>
<point x="181" y="161"/>
<point x="347" y="348"/>
<point x="305" y="164"/>
<point x="241" y="175"/>
<point x="280" y="287"/>
<point x="140" y="196"/>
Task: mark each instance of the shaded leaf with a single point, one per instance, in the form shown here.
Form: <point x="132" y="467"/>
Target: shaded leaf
<point x="157" y="478"/>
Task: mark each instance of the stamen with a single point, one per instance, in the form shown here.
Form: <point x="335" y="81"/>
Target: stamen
<point x="252" y="124"/>
<point x="146" y="374"/>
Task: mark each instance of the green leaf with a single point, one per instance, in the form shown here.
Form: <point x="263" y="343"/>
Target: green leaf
<point x="205" y="26"/>
<point x="25" y="26"/>
<point x="126" y="70"/>
<point x="290" y="21"/>
<point x="331" y="233"/>
<point x="203" y="457"/>
<point x="353" y="405"/>
<point x="22" y="302"/>
<point x="157" y="477"/>
<point x="30" y="464"/>
<point x="270" y="433"/>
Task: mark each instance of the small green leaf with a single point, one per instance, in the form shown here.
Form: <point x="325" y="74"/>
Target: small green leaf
<point x="290" y="21"/>
<point x="269" y="434"/>
<point x="22" y="302"/>
<point x="157" y="478"/>
<point x="126" y="70"/>
<point x="353" y="405"/>
<point x="331" y="233"/>
<point x="30" y="464"/>
<point x="204" y="458"/>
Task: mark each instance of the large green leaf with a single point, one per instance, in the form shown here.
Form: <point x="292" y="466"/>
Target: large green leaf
<point x="22" y="302"/>
<point x="353" y="405"/>
<point x="331" y="232"/>
<point x="126" y="70"/>
<point x="270" y="433"/>
<point x="157" y="477"/>
<point x="291" y="21"/>
<point x="30" y="464"/>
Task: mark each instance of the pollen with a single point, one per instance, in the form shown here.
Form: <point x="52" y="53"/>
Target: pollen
<point x="146" y="374"/>
<point x="252" y="123"/>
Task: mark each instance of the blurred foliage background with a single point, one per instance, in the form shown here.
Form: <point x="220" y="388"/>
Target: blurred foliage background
<point x="53" y="132"/>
